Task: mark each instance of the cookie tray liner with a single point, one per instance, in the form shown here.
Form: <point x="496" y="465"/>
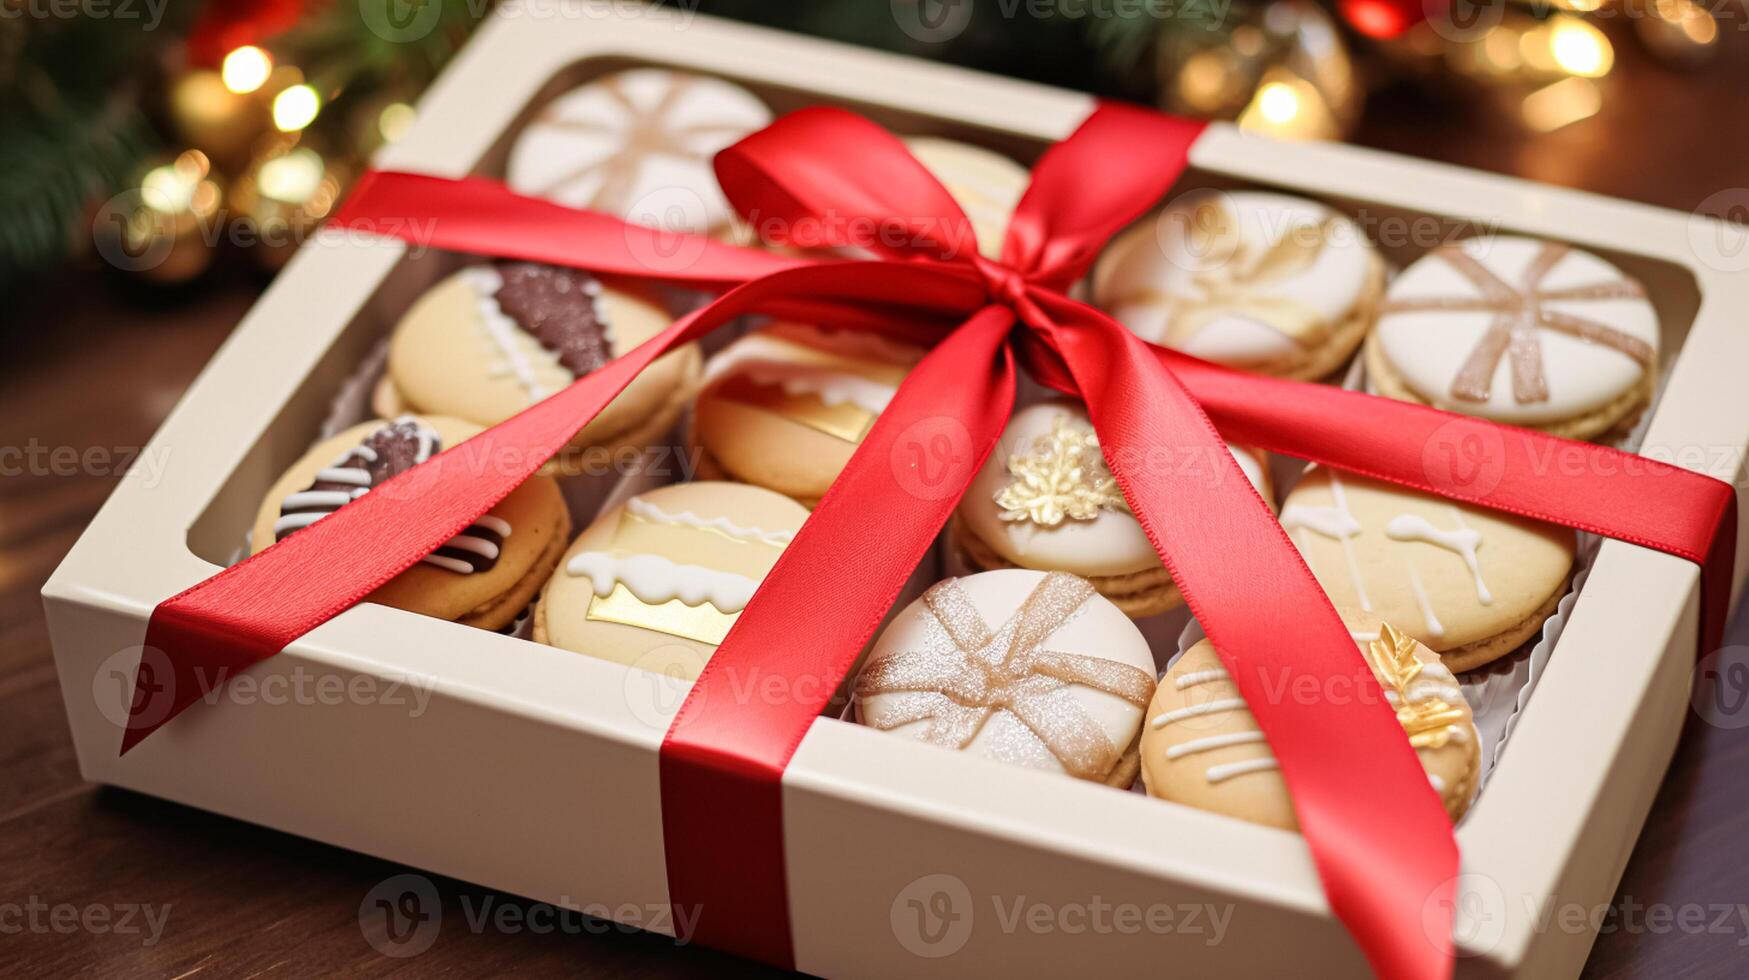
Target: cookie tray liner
<point x="534" y="770"/>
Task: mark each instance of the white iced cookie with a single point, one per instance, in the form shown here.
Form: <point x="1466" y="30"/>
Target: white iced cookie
<point x="1264" y="282"/>
<point x="638" y="144"/>
<point x="1518" y="330"/>
<point x="1028" y="668"/>
<point x="985" y="184"/>
<point x="1045" y="499"/>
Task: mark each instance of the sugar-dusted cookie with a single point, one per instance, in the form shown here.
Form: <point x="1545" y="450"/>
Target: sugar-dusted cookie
<point x="1045" y="499"/>
<point x="1518" y="330"/>
<point x="1470" y="583"/>
<point x="1201" y="745"/>
<point x="985" y="184"/>
<point x="486" y="576"/>
<point x="786" y="405"/>
<point x="1264" y="282"/>
<point x="657" y="582"/>
<point x="638" y="144"/>
<point x="491" y="340"/>
<point x="1030" y="668"/>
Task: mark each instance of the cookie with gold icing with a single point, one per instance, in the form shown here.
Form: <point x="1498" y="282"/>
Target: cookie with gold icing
<point x="1263" y="282"/>
<point x="785" y="406"/>
<point x="491" y="340"/>
<point x="1473" y="584"/>
<point x="1517" y="330"/>
<point x="1202" y="747"/>
<point x="486" y="576"/>
<point x="1029" y="668"/>
<point x="658" y="581"/>
<point x="1046" y="500"/>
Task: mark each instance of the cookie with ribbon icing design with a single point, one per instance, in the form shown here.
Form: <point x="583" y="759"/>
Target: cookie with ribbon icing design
<point x="1473" y="584"/>
<point x="657" y="582"/>
<point x="1202" y="747"/>
<point x="1046" y="500"/>
<point x="486" y="576"/>
<point x="1030" y="668"/>
<point x="638" y="144"/>
<point x="785" y="406"/>
<point x="1522" y="331"/>
<point x="491" y="340"/>
<point x="1266" y="283"/>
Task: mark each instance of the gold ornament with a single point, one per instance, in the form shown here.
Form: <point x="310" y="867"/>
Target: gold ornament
<point x="281" y="198"/>
<point x="213" y="118"/>
<point x="1282" y="71"/>
<point x="1063" y="477"/>
<point x="1429" y="722"/>
<point x="163" y="229"/>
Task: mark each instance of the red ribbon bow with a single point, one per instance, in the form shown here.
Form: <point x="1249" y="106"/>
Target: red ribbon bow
<point x="1380" y="838"/>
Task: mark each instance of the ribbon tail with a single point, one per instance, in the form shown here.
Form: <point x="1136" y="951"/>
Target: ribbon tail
<point x="725" y="857"/>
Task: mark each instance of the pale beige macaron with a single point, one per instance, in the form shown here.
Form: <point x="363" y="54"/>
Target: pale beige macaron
<point x="1201" y="745"/>
<point x="1473" y="584"/>
<point x="785" y="406"/>
<point x="1045" y="499"/>
<point x="656" y="582"/>
<point x="1261" y="282"/>
<point x="491" y="340"/>
<point x="487" y="576"/>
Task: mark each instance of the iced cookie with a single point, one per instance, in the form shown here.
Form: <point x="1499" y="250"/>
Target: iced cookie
<point x="985" y="184"/>
<point x="486" y="576"/>
<point x="785" y="406"/>
<point x="1517" y="330"/>
<point x="491" y="340"/>
<point x="1262" y="282"/>
<point x="638" y="145"/>
<point x="1030" y="668"/>
<point x="1202" y="747"/>
<point x="656" y="583"/>
<point x="1470" y="583"/>
<point x="1045" y="499"/>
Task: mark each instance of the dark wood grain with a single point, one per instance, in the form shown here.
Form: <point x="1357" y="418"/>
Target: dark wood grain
<point x="92" y="365"/>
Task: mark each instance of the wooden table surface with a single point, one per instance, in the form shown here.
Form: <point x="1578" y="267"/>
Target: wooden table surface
<point x="94" y="365"/>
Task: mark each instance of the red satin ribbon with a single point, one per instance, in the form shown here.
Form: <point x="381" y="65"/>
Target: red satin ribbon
<point x="1377" y="832"/>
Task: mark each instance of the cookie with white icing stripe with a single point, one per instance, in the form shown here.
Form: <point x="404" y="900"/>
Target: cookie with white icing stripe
<point x="1029" y="668"/>
<point x="486" y="576"/>
<point x="1201" y="745"/>
<point x="1046" y="500"/>
<point x="638" y="144"/>
<point x="1522" y="331"/>
<point x="785" y="406"/>
<point x="1267" y="283"/>
<point x="1473" y="584"/>
<point x="491" y="340"/>
<point x="657" y="582"/>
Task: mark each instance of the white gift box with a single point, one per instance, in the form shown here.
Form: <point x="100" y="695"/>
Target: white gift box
<point x="534" y="770"/>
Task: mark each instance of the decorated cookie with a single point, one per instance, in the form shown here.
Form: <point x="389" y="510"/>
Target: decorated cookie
<point x="985" y="184"/>
<point x="785" y="406"/>
<point x="491" y="340"/>
<point x="1045" y="499"/>
<point x="1030" y="668"/>
<point x="657" y="582"/>
<point x="486" y="576"/>
<point x="638" y="144"/>
<point x="1202" y="747"/>
<point x="1263" y="282"/>
<point x="1472" y="584"/>
<point x="1518" y="330"/>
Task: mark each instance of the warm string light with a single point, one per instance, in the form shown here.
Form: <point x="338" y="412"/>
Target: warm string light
<point x="246" y="69"/>
<point x="295" y="108"/>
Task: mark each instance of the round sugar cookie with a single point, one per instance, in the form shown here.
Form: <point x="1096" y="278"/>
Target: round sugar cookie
<point x="1518" y="330"/>
<point x="1045" y="499"/>
<point x="785" y="406"/>
<point x="1473" y="584"/>
<point x="491" y="340"/>
<point x="657" y="582"/>
<point x="1202" y="747"/>
<point x="487" y="576"/>
<point x="638" y="144"/>
<point x="1263" y="282"/>
<point x="1028" y="668"/>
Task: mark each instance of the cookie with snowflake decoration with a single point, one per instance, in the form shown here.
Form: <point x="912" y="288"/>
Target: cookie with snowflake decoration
<point x="1046" y="500"/>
